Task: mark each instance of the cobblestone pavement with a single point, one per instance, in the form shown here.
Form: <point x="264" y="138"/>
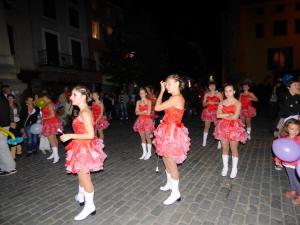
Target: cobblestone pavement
<point x="127" y="191"/>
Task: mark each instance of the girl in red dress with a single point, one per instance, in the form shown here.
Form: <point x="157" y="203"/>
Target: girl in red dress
<point x="101" y="122"/>
<point x="84" y="152"/>
<point x="248" y="111"/>
<point x="171" y="137"/>
<point x="229" y="129"/>
<point x="209" y="114"/>
<point x="152" y="97"/>
<point x="51" y="125"/>
<point x="144" y="124"/>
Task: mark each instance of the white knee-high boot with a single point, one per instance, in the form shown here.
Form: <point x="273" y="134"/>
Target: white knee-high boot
<point x="80" y="195"/>
<point x="55" y="154"/>
<point x="175" y="194"/>
<point x="148" y="154"/>
<point x="144" y="147"/>
<point x="205" y="134"/>
<point x="51" y="156"/>
<point x="89" y="206"/>
<point x="168" y="184"/>
<point x="219" y="145"/>
<point x="225" y="165"/>
<point x="234" y="169"/>
<point x="249" y="133"/>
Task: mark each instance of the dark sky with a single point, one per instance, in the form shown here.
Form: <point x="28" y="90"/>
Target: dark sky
<point x="179" y="25"/>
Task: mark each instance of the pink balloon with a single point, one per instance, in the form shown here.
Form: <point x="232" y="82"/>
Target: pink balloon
<point x="286" y="149"/>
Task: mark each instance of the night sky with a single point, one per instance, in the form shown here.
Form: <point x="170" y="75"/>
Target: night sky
<point x="189" y="31"/>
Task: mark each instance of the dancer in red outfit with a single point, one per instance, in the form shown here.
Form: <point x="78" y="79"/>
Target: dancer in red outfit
<point x="248" y="111"/>
<point x="209" y="114"/>
<point x="144" y="123"/>
<point x="171" y="137"/>
<point x="84" y="152"/>
<point x="229" y="129"/>
<point x="152" y="97"/>
<point x="51" y="124"/>
<point x="101" y="122"/>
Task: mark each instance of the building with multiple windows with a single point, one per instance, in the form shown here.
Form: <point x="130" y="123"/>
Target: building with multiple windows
<point x="261" y="39"/>
<point x="52" y="41"/>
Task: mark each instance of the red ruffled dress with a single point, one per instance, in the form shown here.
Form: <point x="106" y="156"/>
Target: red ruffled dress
<point x="248" y="111"/>
<point x="102" y="122"/>
<point x="84" y="154"/>
<point x="171" y="136"/>
<point x="51" y="125"/>
<point x="230" y="130"/>
<point x="144" y="123"/>
<point x="209" y="113"/>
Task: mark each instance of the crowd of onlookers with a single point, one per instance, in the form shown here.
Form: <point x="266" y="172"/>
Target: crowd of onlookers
<point x="19" y="113"/>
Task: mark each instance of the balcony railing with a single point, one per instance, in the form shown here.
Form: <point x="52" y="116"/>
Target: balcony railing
<point x="62" y="60"/>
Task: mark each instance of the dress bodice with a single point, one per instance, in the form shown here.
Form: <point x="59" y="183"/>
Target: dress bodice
<point x="143" y="107"/>
<point x="96" y="109"/>
<point x="173" y="115"/>
<point x="214" y="99"/>
<point x="245" y="100"/>
<point x="46" y="110"/>
<point x="228" y="108"/>
<point x="78" y="126"/>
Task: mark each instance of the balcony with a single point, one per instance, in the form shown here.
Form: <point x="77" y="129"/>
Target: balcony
<point x="62" y="60"/>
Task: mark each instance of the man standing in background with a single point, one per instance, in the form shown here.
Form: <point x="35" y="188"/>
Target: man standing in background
<point x="7" y="163"/>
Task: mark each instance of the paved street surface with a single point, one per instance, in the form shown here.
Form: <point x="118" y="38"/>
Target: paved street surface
<point x="127" y="191"/>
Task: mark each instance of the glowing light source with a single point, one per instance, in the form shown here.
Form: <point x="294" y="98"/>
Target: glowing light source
<point x="95" y="30"/>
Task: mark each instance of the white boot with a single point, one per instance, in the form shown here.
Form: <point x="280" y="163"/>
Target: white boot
<point x="144" y="151"/>
<point x="51" y="156"/>
<point x="219" y="145"/>
<point x="168" y="184"/>
<point x="89" y="206"/>
<point x="80" y="195"/>
<point x="249" y="133"/>
<point x="175" y="194"/>
<point x="204" y="139"/>
<point x="234" y="169"/>
<point x="148" y="154"/>
<point x="55" y="154"/>
<point x="225" y="165"/>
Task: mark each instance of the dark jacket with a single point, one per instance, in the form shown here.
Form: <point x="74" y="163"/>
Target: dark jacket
<point x="4" y="111"/>
<point x="289" y="105"/>
<point x="26" y="119"/>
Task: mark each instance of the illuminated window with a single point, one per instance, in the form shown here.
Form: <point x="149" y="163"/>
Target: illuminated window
<point x="95" y="30"/>
<point x="280" y="58"/>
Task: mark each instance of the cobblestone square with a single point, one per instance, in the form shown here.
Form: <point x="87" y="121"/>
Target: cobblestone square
<point x="127" y="191"/>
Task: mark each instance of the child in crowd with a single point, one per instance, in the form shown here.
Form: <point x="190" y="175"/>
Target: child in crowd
<point x="291" y="130"/>
<point x="15" y="149"/>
